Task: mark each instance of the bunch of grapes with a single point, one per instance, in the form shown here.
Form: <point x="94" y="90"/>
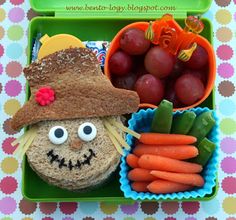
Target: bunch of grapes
<point x="155" y="74"/>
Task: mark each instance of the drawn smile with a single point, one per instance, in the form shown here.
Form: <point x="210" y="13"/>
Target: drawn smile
<point x="53" y="157"/>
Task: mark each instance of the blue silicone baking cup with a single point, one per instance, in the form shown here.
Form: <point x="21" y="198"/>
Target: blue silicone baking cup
<point x="141" y="122"/>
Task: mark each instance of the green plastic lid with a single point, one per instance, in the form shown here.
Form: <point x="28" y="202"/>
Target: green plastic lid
<point x="123" y="8"/>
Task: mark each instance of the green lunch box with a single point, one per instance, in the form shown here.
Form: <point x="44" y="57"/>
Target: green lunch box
<point x="99" y="20"/>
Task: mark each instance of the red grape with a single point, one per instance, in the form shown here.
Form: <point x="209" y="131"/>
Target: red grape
<point x="199" y="59"/>
<point x="200" y="74"/>
<point x="133" y="42"/>
<point x="159" y="62"/>
<point x="125" y="82"/>
<point x="170" y="95"/>
<point x="150" y="89"/>
<point x="120" y="63"/>
<point x="177" y="70"/>
<point x="164" y="82"/>
<point x="140" y="69"/>
<point x="189" y="89"/>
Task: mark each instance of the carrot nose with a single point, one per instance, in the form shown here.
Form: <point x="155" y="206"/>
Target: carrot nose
<point x="75" y="144"/>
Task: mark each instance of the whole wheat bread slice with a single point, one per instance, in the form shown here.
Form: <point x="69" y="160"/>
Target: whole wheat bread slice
<point x="81" y="90"/>
<point x="101" y="166"/>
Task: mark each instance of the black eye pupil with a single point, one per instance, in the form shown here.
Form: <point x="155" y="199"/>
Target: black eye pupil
<point x="58" y="133"/>
<point x="87" y="130"/>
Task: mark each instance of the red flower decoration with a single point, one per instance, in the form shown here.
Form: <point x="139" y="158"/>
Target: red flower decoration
<point x="45" y="96"/>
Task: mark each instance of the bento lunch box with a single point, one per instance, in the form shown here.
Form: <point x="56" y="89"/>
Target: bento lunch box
<point x="87" y="22"/>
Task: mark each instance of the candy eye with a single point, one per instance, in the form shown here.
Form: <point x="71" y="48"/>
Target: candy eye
<point x="58" y="135"/>
<point x="87" y="131"/>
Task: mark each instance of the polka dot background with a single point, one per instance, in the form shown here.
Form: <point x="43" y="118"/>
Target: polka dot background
<point x="14" y="19"/>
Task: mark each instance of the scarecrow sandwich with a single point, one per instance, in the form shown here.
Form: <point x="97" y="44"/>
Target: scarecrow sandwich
<point x="75" y="134"/>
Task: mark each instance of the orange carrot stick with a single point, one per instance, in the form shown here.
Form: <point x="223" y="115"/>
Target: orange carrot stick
<point x="132" y="160"/>
<point x="184" y="178"/>
<point x="153" y="162"/>
<point x="163" y="186"/>
<point x="175" y="152"/>
<point x="166" y="139"/>
<point x="139" y="174"/>
<point x="158" y="145"/>
<point x="140" y="186"/>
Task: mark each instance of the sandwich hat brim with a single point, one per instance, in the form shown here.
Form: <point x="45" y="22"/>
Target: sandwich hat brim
<point x="79" y="93"/>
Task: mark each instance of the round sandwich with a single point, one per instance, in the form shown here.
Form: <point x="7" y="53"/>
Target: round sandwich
<point x="74" y="118"/>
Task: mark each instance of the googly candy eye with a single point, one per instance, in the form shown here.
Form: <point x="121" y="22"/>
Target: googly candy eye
<point x="87" y="131"/>
<point x="58" y="135"/>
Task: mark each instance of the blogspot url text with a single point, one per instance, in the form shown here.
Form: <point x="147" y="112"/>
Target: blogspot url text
<point x="120" y="9"/>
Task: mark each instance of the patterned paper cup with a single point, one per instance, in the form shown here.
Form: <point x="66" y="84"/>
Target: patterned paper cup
<point x="141" y="122"/>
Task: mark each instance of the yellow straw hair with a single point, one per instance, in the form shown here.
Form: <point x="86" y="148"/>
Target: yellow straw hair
<point x="123" y="128"/>
<point x="24" y="142"/>
<point x="116" y="143"/>
<point x="116" y="138"/>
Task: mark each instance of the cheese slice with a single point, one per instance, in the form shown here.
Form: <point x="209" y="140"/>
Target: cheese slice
<point x="58" y="42"/>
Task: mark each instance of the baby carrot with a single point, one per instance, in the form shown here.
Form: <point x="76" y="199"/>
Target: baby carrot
<point x="159" y="145"/>
<point x="132" y="160"/>
<point x="175" y="152"/>
<point x="153" y="162"/>
<point x="139" y="174"/>
<point x="184" y="178"/>
<point x="163" y="186"/>
<point x="166" y="139"/>
<point x="140" y="186"/>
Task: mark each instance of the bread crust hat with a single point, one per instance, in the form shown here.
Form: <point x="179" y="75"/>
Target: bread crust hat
<point x="81" y="89"/>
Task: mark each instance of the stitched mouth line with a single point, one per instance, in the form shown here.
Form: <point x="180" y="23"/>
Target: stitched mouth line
<point x="54" y="158"/>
